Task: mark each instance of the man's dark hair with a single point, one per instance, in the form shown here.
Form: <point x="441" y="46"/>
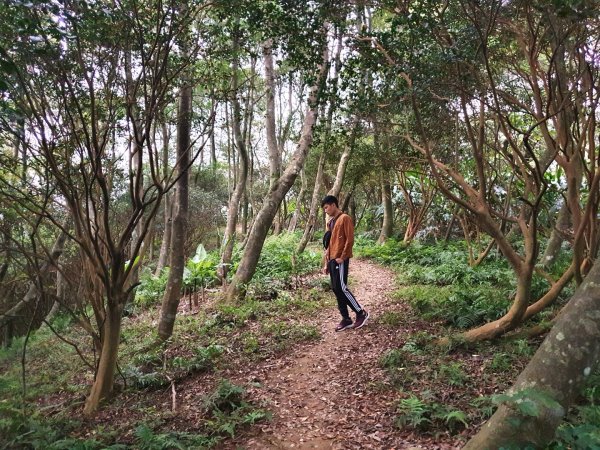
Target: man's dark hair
<point x="328" y="200"/>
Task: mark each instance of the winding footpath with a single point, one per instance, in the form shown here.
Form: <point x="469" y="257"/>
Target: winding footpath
<point x="332" y="394"/>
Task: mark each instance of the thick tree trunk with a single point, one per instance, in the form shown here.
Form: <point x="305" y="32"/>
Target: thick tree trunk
<point x="553" y="378"/>
<point x="104" y="381"/>
<point x="279" y="189"/>
<point x="177" y="260"/>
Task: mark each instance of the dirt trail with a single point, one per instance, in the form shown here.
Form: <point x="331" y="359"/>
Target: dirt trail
<point x="332" y="394"/>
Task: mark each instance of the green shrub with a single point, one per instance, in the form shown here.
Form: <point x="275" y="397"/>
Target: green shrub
<point x="420" y="415"/>
<point x="148" y="439"/>
<point x="229" y="410"/>
<point x="391" y="318"/>
<point x="226" y="397"/>
<point x="501" y="362"/>
<point x="453" y="373"/>
<point x="203" y="360"/>
<point x="153" y="379"/>
<point x="583" y="436"/>
<point x="392" y="359"/>
<point x="459" y="306"/>
<point x="151" y="288"/>
<point x="279" y="261"/>
<point x="454" y="419"/>
<point x="418" y="343"/>
<point x="483" y="405"/>
<point x="413" y="413"/>
<point x="201" y="269"/>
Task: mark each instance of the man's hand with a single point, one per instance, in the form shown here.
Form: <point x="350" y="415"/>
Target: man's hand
<point x="339" y="260"/>
<point x="325" y="270"/>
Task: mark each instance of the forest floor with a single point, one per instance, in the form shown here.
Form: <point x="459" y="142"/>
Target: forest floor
<point x="384" y="386"/>
<point x="333" y="393"/>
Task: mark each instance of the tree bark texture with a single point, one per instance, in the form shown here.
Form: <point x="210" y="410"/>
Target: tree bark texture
<point x="557" y="236"/>
<point x="240" y="186"/>
<point x="104" y="381"/>
<point x="314" y="205"/>
<point x="274" y="149"/>
<point x="553" y="377"/>
<point x="172" y="293"/>
<point x="343" y="164"/>
<point x="165" y="244"/>
<point x="388" y="211"/>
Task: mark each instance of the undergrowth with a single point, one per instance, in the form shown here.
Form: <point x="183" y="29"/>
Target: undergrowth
<point x="279" y="268"/>
<point x="220" y="334"/>
<point x="437" y="280"/>
<point x="434" y="382"/>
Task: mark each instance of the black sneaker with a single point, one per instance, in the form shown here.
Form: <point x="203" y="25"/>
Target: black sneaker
<point x="361" y="319"/>
<point x="344" y="325"/>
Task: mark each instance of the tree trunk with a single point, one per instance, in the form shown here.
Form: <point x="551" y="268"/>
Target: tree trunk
<point x="343" y="164"/>
<point x="166" y="239"/>
<point x="557" y="236"/>
<point x="388" y="212"/>
<point x="104" y="381"/>
<point x="240" y="186"/>
<point x="352" y="209"/>
<point x="553" y="378"/>
<point x="314" y="205"/>
<point x="274" y="149"/>
<point x="315" y="200"/>
<point x="213" y="146"/>
<point x="294" y="220"/>
<point x="271" y="203"/>
<point x="165" y="244"/>
<point x="177" y="260"/>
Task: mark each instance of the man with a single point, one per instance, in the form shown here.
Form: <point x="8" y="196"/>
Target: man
<point x="338" y="242"/>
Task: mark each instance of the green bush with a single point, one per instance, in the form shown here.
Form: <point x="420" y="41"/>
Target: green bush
<point x="279" y="260"/>
<point x="459" y="305"/>
<point x="203" y="360"/>
<point x="201" y="269"/>
<point x="151" y="288"/>
<point x="148" y="439"/>
<point x="418" y="414"/>
<point x="392" y="359"/>
<point x="229" y="409"/>
<point x="413" y="413"/>
<point x="453" y="373"/>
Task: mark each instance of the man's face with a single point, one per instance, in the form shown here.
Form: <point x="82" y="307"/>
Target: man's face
<point x="330" y="209"/>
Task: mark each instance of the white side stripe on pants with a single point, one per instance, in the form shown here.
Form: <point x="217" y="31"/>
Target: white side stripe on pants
<point x="347" y="293"/>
